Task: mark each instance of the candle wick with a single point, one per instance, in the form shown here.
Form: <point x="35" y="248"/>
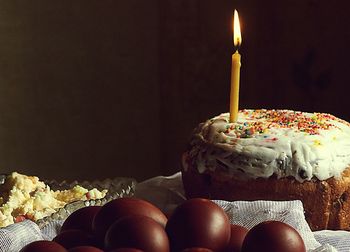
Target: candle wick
<point x="237" y="45"/>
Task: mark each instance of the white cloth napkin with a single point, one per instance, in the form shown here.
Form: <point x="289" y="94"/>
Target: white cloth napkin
<point x="16" y="236"/>
<point x="249" y="214"/>
<point x="167" y="193"/>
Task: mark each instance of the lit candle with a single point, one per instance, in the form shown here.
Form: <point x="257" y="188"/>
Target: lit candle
<point x="235" y="70"/>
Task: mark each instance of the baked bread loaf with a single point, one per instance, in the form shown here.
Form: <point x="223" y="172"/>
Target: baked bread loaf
<point x="274" y="155"/>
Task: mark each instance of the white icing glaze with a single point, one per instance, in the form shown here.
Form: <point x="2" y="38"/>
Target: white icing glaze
<point x="263" y="143"/>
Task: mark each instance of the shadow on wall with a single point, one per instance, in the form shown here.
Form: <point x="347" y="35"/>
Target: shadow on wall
<point x="78" y="89"/>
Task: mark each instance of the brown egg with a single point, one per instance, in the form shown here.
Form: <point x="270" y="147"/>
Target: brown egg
<point x="74" y="238"/>
<point x="137" y="231"/>
<point x="273" y="236"/>
<point x="81" y="219"/>
<point x="197" y="250"/>
<point x="126" y="250"/>
<point x="121" y="207"/>
<point x="43" y="246"/>
<point x="198" y="223"/>
<point x="238" y="234"/>
<point x="85" y="249"/>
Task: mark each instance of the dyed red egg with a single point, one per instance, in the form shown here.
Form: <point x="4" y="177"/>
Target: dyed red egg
<point x="126" y="250"/>
<point x="81" y="219"/>
<point x="43" y="246"/>
<point x="273" y="236"/>
<point x="137" y="231"/>
<point x="115" y="209"/>
<point x="198" y="223"/>
<point x="238" y="234"/>
<point x="74" y="238"/>
<point x="197" y="250"/>
<point x="85" y="249"/>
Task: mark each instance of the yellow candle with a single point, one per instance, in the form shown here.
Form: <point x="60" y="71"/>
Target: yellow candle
<point x="235" y="69"/>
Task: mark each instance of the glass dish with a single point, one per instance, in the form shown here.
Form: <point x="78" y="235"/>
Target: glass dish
<point x="117" y="188"/>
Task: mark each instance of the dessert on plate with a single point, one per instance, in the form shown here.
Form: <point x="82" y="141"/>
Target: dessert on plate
<point x="26" y="197"/>
<point x="274" y="155"/>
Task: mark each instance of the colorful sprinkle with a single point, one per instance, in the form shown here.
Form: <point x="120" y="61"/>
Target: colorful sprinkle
<point x="317" y="142"/>
<point x="262" y="120"/>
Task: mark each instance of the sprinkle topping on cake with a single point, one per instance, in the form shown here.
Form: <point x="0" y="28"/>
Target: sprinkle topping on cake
<point x="284" y="143"/>
<point x="260" y="121"/>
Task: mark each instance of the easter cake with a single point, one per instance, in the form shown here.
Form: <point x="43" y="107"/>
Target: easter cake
<point x="274" y="155"/>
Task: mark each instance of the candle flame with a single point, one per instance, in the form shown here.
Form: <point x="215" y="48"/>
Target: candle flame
<point x="237" y="38"/>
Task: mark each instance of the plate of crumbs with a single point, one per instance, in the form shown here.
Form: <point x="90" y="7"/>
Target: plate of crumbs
<point x="26" y="197"/>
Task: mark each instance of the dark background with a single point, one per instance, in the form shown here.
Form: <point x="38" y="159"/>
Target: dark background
<point x="96" y="89"/>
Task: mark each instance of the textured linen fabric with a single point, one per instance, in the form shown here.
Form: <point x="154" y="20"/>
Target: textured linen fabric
<point x="167" y="193"/>
<point x="250" y="213"/>
<point x="16" y="236"/>
<point x="337" y="239"/>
